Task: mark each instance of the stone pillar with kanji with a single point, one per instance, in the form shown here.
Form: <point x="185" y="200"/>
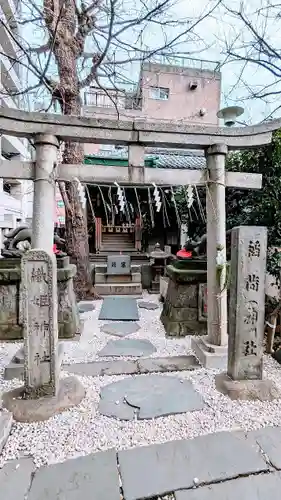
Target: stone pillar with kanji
<point x="244" y="378"/>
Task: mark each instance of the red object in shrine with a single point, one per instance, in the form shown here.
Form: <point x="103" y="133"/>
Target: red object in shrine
<point x="55" y="250"/>
<point x="184" y="254"/>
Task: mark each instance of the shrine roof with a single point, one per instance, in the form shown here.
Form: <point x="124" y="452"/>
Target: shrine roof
<point x="154" y="158"/>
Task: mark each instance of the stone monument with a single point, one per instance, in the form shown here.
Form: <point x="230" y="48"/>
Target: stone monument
<point x="43" y="393"/>
<point x="10" y="292"/>
<point x="180" y="314"/>
<point x="118" y="265"/>
<point x="246" y="317"/>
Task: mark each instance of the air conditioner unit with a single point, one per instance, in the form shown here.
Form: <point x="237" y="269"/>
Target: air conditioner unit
<point x="193" y="85"/>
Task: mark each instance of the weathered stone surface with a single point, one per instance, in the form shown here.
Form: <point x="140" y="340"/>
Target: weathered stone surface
<point x="169" y="364"/>
<point x="174" y="465"/>
<point x="246" y="305"/>
<point x="68" y="315"/>
<point x="120" y="329"/>
<point x="127" y="347"/>
<point x="261" y="390"/>
<point x="180" y="314"/>
<point x="148" y="397"/>
<point x="178" y="294"/>
<point x="258" y="487"/>
<point x="269" y="439"/>
<point x="119" y="309"/>
<point x="100" y="368"/>
<point x="118" y="264"/>
<point x="85" y="307"/>
<point x="127" y="367"/>
<point x="15" y="479"/>
<point x="15" y="369"/>
<point x="6" y="420"/>
<point x="209" y="355"/>
<point x="148" y="305"/>
<point x="93" y="477"/>
<point x="10" y="291"/>
<point x="40" y="323"/>
<point x="118" y="367"/>
<point x="70" y="393"/>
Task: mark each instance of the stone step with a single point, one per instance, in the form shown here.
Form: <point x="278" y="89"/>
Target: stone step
<point x="102" y="268"/>
<point x="124" y="278"/>
<point x="101" y="257"/>
<point x="118" y="288"/>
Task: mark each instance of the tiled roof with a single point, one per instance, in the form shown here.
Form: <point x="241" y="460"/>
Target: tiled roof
<point x="163" y="158"/>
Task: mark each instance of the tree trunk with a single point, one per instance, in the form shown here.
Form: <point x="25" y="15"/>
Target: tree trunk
<point x="77" y="245"/>
<point x="62" y="19"/>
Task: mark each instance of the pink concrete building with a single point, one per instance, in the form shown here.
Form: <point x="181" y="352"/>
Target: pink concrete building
<point x="164" y="92"/>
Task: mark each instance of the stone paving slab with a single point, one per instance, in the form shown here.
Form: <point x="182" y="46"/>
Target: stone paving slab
<point x="269" y="440"/>
<point x="15" y="479"/>
<point x="100" y="368"/>
<point x="6" y="420"/>
<point x="261" y="487"/>
<point x="148" y="305"/>
<point x="147" y="397"/>
<point x="127" y="347"/>
<point x="119" y="309"/>
<point x="94" y="477"/>
<point x="128" y="367"/>
<point x="174" y="465"/>
<point x="120" y="329"/>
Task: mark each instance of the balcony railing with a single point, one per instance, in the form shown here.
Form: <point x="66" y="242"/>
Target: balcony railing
<point x="185" y="62"/>
<point x="116" y="100"/>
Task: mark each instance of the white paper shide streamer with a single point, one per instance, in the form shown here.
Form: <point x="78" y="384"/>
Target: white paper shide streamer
<point x="190" y="196"/>
<point x="81" y="192"/>
<point x="156" y="196"/>
<point x="121" y="197"/>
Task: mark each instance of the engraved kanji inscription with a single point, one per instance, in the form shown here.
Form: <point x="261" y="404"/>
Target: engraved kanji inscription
<point x="252" y="282"/>
<point x="250" y="348"/>
<point x="254" y="249"/>
<point x="252" y="313"/>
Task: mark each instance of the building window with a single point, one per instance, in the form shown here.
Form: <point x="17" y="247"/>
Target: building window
<point x="159" y="93"/>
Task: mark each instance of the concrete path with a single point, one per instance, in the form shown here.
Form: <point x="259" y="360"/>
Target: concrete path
<point x="216" y="466"/>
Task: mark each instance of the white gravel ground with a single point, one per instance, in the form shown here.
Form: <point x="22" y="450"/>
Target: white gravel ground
<point x="93" y="340"/>
<point x="83" y="430"/>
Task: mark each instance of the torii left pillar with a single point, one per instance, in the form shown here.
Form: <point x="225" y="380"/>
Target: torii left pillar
<point x="212" y="349"/>
<point x="44" y="192"/>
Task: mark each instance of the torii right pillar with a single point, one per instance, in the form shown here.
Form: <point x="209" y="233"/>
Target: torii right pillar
<point x="211" y="350"/>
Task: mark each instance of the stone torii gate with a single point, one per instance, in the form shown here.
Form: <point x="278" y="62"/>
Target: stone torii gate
<point x="46" y="130"/>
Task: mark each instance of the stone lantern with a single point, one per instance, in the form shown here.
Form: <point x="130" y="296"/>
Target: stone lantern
<point x="158" y="260"/>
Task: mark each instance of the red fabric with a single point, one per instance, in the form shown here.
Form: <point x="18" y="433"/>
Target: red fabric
<point x="184" y="253"/>
<point x="55" y="248"/>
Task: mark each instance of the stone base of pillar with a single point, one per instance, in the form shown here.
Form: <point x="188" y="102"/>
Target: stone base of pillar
<point x="180" y="314"/>
<point x="70" y="393"/>
<point x="209" y="355"/>
<point x="247" y="390"/>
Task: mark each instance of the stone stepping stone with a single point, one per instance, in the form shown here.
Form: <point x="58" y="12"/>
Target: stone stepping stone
<point x="136" y="366"/>
<point x="6" y="420"/>
<point x="120" y="329"/>
<point x="85" y="307"/>
<point x="16" y="478"/>
<point x="148" y="305"/>
<point x="173" y="466"/>
<point x="119" y="309"/>
<point x="252" y="487"/>
<point x="92" y="477"/>
<point x="147" y="397"/>
<point x="128" y="347"/>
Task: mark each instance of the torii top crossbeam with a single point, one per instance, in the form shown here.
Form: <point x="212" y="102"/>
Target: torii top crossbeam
<point x="160" y="134"/>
